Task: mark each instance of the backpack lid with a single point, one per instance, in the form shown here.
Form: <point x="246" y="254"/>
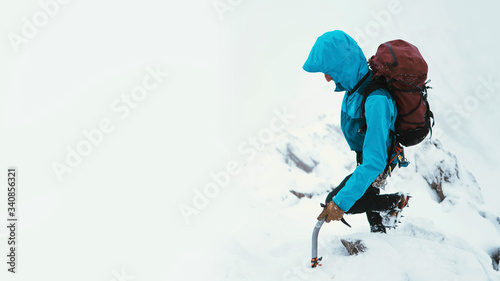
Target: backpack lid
<point x="401" y="61"/>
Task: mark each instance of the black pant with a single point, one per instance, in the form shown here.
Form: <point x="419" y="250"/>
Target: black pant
<point x="370" y="203"/>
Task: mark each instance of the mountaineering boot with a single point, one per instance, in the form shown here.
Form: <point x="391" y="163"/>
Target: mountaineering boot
<point x="375" y="221"/>
<point x="391" y="217"/>
<point x="404" y="201"/>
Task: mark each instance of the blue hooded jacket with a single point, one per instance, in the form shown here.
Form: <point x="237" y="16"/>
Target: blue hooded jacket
<point x="335" y="53"/>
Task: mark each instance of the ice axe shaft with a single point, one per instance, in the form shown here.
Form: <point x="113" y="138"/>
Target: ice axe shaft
<point x="315" y="260"/>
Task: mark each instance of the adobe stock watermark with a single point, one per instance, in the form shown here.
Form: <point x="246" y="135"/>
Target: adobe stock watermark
<point x="247" y="149"/>
<point x="48" y="10"/>
<point x="461" y="111"/>
<point x="380" y="20"/>
<point x="223" y="6"/>
<point x="121" y="107"/>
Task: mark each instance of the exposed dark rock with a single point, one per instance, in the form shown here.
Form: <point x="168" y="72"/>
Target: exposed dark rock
<point x="445" y="172"/>
<point x="353" y="248"/>
<point x="299" y="162"/>
<point x="436" y="181"/>
<point x="301" y="195"/>
<point x="495" y="258"/>
<point x="293" y="156"/>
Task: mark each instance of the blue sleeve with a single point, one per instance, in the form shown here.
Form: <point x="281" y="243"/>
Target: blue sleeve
<point x="379" y="115"/>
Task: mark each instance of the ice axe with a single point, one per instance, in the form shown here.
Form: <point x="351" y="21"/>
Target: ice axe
<point x="315" y="260"/>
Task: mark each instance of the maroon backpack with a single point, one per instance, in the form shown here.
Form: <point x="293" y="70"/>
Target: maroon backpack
<point x="399" y="67"/>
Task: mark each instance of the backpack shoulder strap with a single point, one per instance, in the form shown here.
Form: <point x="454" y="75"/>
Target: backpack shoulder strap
<point x="375" y="84"/>
<point x="394" y="148"/>
<point x="359" y="83"/>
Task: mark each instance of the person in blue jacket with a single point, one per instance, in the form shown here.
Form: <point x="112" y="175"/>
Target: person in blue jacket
<point x="340" y="59"/>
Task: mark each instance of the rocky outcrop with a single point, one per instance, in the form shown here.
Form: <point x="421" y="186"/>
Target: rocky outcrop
<point x="444" y="174"/>
<point x="495" y="258"/>
<point x="353" y="247"/>
<point x="301" y="195"/>
<point x="295" y="156"/>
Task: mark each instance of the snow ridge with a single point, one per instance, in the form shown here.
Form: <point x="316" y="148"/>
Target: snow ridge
<point x="447" y="232"/>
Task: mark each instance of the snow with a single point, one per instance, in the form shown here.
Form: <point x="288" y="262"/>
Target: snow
<point x="209" y="138"/>
<point x="448" y="240"/>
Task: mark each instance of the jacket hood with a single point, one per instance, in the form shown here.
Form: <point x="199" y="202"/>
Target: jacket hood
<point x="335" y="53"/>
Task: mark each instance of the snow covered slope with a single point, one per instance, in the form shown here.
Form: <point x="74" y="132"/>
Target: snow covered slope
<point x="447" y="232"/>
